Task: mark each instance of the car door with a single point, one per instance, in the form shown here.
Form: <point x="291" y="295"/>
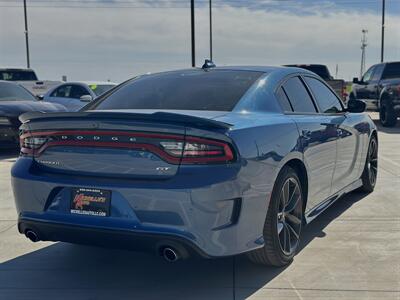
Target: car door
<point x="347" y="162"/>
<point x="363" y="89"/>
<point x="60" y="95"/>
<point x="373" y="85"/>
<point x="77" y="91"/>
<point x="317" y="139"/>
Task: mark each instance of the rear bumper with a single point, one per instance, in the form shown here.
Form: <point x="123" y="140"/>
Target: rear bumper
<point x="123" y="239"/>
<point x="213" y="212"/>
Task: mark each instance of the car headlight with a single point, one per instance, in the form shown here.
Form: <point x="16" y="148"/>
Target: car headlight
<point x="4" y="121"/>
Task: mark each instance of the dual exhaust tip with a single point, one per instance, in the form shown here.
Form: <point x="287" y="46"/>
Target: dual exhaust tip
<point x="32" y="235"/>
<point x="170" y="254"/>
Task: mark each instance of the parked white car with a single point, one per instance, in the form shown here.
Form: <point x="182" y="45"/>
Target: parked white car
<point x="75" y="95"/>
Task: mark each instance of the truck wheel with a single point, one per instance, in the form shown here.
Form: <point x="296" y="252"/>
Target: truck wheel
<point x="387" y="114"/>
<point x="283" y="224"/>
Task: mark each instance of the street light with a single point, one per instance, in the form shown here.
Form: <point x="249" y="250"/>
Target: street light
<point x="211" y="45"/>
<point x="28" y="64"/>
<point x="383" y="31"/>
<point x="193" y="33"/>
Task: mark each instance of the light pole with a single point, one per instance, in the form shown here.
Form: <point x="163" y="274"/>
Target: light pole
<point x="193" y="33"/>
<point x="211" y="40"/>
<point x="383" y="31"/>
<point x="28" y="64"/>
<point x="363" y="46"/>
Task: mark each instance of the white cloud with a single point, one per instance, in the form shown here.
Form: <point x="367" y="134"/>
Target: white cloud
<point x="116" y="44"/>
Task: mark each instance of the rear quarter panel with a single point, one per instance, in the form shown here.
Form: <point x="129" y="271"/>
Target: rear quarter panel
<point x="265" y="142"/>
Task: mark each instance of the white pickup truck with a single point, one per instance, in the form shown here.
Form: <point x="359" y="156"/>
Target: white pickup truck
<point x="28" y="79"/>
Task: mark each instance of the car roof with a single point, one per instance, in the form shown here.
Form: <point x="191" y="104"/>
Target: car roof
<point x="16" y="69"/>
<point x="9" y="82"/>
<point x="279" y="71"/>
<point x="91" y="82"/>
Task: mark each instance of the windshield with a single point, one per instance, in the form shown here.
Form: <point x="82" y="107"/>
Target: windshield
<point x="13" y="92"/>
<point x="218" y="90"/>
<point x="17" y="75"/>
<point x="391" y="71"/>
<point x="100" y="89"/>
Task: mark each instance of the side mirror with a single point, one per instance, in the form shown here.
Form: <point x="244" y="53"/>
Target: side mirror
<point x="40" y="97"/>
<point x="86" y="98"/>
<point x="355" y="80"/>
<point x="356" y="106"/>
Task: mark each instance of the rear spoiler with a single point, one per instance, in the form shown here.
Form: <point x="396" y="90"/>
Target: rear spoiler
<point x="164" y="117"/>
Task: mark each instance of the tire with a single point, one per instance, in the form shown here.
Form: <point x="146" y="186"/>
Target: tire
<point x="370" y="171"/>
<point x="280" y="248"/>
<point x="387" y="114"/>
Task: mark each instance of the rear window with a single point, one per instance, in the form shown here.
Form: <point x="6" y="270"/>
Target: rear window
<point x="391" y="71"/>
<point x="11" y="92"/>
<point x="218" y="90"/>
<point x="14" y="75"/>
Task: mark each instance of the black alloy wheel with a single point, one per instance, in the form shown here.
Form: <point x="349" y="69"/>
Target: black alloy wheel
<point x="283" y="224"/>
<point x="289" y="216"/>
<point x="370" y="172"/>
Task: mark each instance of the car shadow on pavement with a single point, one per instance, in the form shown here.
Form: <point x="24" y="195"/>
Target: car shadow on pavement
<point x="66" y="271"/>
<point x="9" y="154"/>
<point x="390" y="130"/>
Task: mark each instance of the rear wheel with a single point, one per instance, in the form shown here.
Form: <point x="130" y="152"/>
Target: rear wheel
<point x="387" y="114"/>
<point x="283" y="224"/>
<point x="370" y="172"/>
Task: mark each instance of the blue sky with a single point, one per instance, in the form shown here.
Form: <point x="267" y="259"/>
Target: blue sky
<point x="103" y="39"/>
<point x="392" y="6"/>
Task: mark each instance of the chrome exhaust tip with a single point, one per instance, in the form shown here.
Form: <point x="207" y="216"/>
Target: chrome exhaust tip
<point x="32" y="235"/>
<point x="170" y="254"/>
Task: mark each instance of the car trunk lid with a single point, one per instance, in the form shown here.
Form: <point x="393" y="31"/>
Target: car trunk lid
<point x="122" y="144"/>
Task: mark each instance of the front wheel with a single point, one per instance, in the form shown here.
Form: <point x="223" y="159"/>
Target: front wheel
<point x="370" y="172"/>
<point x="283" y="223"/>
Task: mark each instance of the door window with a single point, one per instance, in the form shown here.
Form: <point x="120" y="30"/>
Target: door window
<point x="377" y="73"/>
<point x="63" y="91"/>
<point x="367" y="76"/>
<point x="298" y="96"/>
<point x="326" y="99"/>
<point x="392" y="70"/>
<point x="283" y="100"/>
<point x="78" y="91"/>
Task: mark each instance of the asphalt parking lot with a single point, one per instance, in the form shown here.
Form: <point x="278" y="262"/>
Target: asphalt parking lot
<point x="352" y="252"/>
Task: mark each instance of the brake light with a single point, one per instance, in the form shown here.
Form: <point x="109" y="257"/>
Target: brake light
<point x="33" y="142"/>
<point x="172" y="148"/>
<point x="199" y="150"/>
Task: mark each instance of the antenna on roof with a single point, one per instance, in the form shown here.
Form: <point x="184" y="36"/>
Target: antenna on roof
<point x="208" y="64"/>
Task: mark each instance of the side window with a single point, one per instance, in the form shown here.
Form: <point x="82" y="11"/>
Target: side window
<point x="298" y="96"/>
<point x="63" y="91"/>
<point x="367" y="76"/>
<point x="283" y="100"/>
<point x="377" y="73"/>
<point x="78" y="91"/>
<point x="326" y="99"/>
